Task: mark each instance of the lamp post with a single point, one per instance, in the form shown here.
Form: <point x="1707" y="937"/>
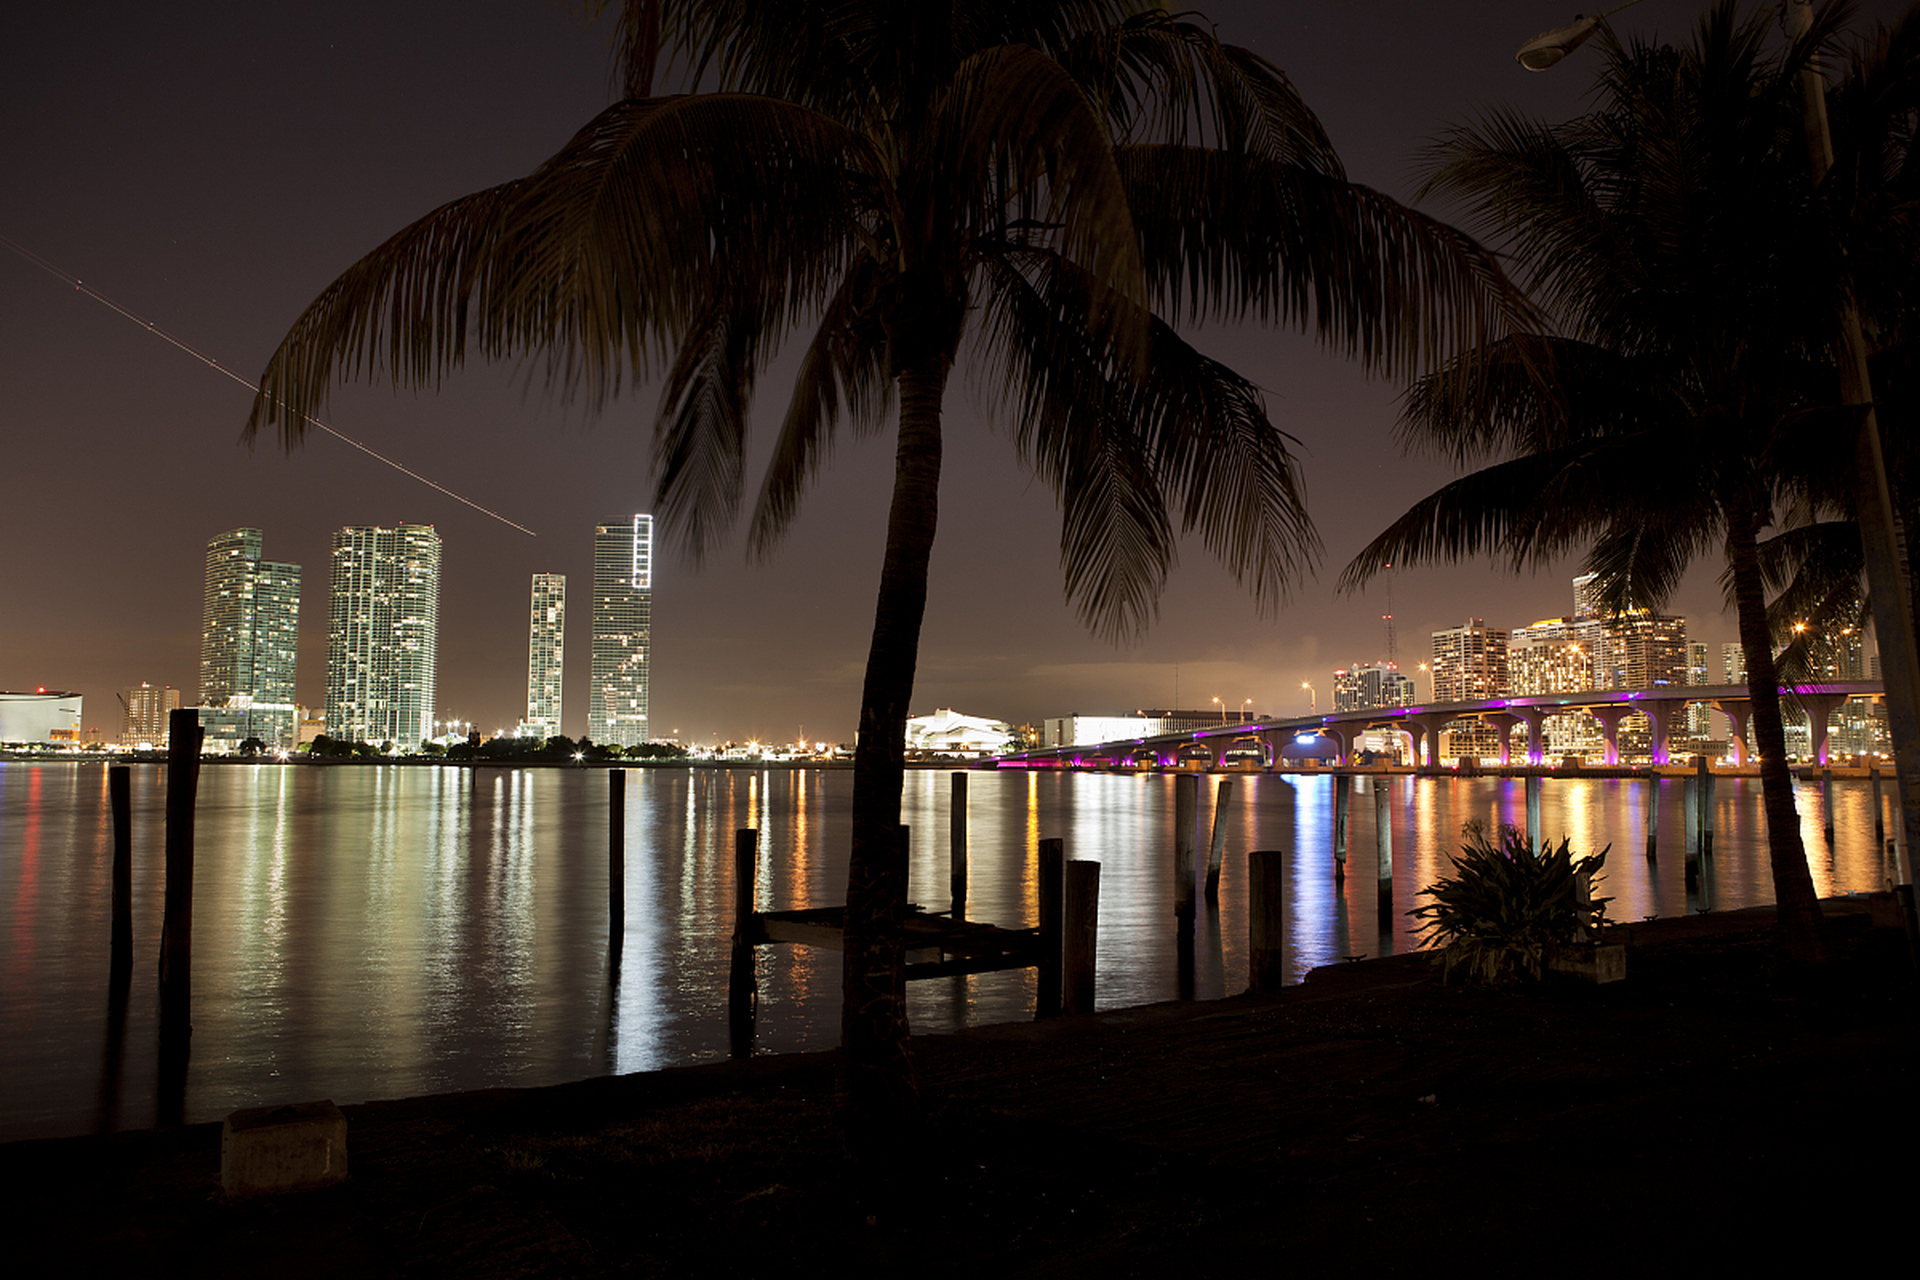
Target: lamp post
<point x="1313" y="698"/>
<point x="1246" y="711"/>
<point x="1887" y="577"/>
<point x="1223" y="712"/>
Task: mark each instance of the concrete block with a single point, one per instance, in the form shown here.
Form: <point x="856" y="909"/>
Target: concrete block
<point x="1600" y="964"/>
<point x="268" y="1150"/>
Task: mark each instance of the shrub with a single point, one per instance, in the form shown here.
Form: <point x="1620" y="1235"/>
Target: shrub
<point x="1502" y="913"/>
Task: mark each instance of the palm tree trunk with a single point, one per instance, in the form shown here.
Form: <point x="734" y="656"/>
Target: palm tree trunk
<point x="1799" y="909"/>
<point x="876" y="1084"/>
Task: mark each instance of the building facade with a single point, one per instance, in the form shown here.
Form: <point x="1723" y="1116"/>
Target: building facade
<point x="383" y="633"/>
<point x="546" y="650"/>
<point x="622" y="630"/>
<point x="249" y="643"/>
<point x="1469" y="663"/>
<point x="1558" y="655"/>
<point x="39" y="716"/>
<point x="145" y="709"/>
<point x="1373" y="684"/>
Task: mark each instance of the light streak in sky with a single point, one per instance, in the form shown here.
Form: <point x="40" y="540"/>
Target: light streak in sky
<point x="246" y="382"/>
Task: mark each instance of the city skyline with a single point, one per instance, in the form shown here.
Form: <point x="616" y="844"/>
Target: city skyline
<point x="163" y="219"/>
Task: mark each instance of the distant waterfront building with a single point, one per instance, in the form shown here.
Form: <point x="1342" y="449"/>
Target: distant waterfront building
<point x="1699" y="672"/>
<point x="145" y="711"/>
<point x="1469" y="664"/>
<point x="249" y="644"/>
<point x="1733" y="663"/>
<point x="546" y="647"/>
<point x="41" y="715"/>
<point x="1373" y="684"/>
<point x="383" y="632"/>
<point x="622" y="630"/>
<point x="947" y="732"/>
<point x="1586" y="604"/>
<point x="1558" y="655"/>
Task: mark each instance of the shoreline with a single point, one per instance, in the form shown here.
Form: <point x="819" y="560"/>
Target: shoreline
<point x="1368" y="1114"/>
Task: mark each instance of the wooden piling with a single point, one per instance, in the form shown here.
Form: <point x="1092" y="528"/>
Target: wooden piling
<point x="1533" y="814"/>
<point x="1709" y="787"/>
<point x="1186" y="788"/>
<point x="1052" y="888"/>
<point x="957" y="849"/>
<point x="184" y="736"/>
<point x="743" y="994"/>
<point x="1690" y="810"/>
<point x="1879" y="821"/>
<point x="1383" y="844"/>
<point x="1342" y="802"/>
<point x="1826" y="803"/>
<point x="1266" y="915"/>
<point x="616" y="855"/>
<point x="120" y="805"/>
<point x="1653" y="817"/>
<point x="1080" y="930"/>
<point x="1221" y="795"/>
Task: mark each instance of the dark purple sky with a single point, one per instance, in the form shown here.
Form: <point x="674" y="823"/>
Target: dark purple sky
<point x="213" y="166"/>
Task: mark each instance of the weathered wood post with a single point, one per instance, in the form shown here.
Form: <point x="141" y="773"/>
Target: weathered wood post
<point x="1709" y="785"/>
<point x="1690" y="816"/>
<point x="1266" y="917"/>
<point x="1186" y="793"/>
<point x="1221" y="795"/>
<point x="1052" y="887"/>
<point x="957" y="848"/>
<point x="616" y="856"/>
<point x="1826" y="803"/>
<point x="1383" y="845"/>
<point x="1879" y="821"/>
<point x="1533" y="814"/>
<point x="1342" y="802"/>
<point x="120" y="805"/>
<point x="1653" y="817"/>
<point x="743" y="994"/>
<point x="184" y="736"/>
<point x="1081" y="931"/>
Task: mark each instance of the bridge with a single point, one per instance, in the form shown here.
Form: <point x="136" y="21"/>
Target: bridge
<point x="1665" y="706"/>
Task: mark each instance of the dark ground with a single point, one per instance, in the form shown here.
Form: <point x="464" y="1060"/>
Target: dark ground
<point x="1718" y="1109"/>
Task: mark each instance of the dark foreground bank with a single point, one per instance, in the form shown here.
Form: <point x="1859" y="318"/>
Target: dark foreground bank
<point x="1718" y="1108"/>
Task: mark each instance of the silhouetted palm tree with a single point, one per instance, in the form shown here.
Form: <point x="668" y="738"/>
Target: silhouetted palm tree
<point x="1686" y="402"/>
<point x="1024" y="179"/>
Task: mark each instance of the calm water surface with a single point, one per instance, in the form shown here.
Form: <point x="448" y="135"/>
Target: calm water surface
<point x="379" y="932"/>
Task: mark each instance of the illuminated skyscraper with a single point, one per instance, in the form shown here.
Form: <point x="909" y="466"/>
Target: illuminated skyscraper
<point x="383" y="631"/>
<point x="546" y="635"/>
<point x="622" y="630"/>
<point x="147" y="708"/>
<point x="248" y="643"/>
<point x="1469" y="664"/>
<point x="1370" y="684"/>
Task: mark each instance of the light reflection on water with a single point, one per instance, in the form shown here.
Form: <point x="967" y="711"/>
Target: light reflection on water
<point x="367" y="932"/>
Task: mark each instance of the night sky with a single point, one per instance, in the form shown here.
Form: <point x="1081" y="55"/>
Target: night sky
<point x="213" y="166"/>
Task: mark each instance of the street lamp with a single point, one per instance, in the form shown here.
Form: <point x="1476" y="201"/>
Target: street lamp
<point x="1313" y="697"/>
<point x="1246" y="711"/>
<point x="1549" y="47"/>
<point x="1223" y="712"/>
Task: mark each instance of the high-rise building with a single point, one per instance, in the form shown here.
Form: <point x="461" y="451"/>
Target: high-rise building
<point x="249" y="642"/>
<point x="147" y="708"/>
<point x="622" y="630"/>
<point x="1370" y="684"/>
<point x="1733" y="663"/>
<point x="546" y="637"/>
<point x="1558" y="655"/>
<point x="383" y="631"/>
<point x="1641" y="649"/>
<point x="1585" y="597"/>
<point x="1469" y="663"/>
<point x="1699" y="715"/>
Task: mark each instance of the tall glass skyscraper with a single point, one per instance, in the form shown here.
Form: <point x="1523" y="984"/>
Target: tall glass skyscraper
<point x="546" y="635"/>
<point x="383" y="630"/>
<point x="622" y="630"/>
<point x="248" y="642"/>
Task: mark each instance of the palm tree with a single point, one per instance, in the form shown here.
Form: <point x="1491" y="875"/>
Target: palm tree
<point x="1685" y="401"/>
<point x="1018" y="181"/>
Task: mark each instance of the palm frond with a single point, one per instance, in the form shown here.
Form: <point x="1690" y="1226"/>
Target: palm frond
<point x="599" y="259"/>
<point x="1229" y="237"/>
<point x="845" y="371"/>
<point x="701" y="432"/>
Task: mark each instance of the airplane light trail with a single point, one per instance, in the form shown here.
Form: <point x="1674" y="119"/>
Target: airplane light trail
<point x="248" y="383"/>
